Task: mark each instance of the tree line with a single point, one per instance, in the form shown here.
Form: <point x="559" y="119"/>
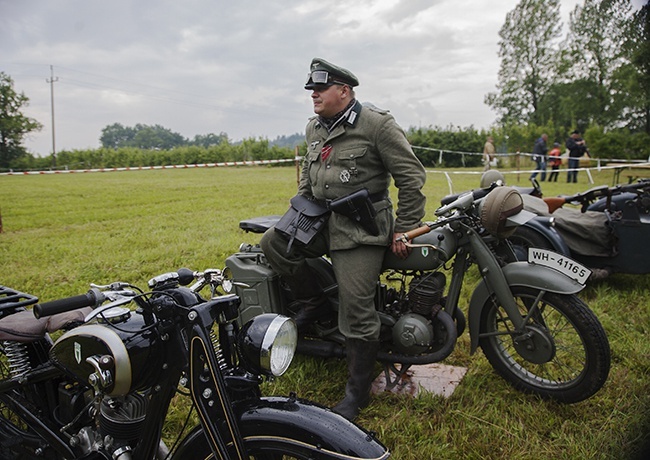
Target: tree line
<point x="595" y="79"/>
<point x="596" y="74"/>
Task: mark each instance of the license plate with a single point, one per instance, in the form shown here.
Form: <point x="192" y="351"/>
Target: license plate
<point x="563" y="264"/>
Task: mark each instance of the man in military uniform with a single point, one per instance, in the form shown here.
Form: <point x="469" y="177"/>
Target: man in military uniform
<point x="350" y="147"/>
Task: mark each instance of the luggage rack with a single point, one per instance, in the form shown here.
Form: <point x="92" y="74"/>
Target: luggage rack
<point x="10" y="299"/>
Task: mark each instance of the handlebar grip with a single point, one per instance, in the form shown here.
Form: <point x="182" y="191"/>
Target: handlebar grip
<point x="417" y="232"/>
<point x="88" y="299"/>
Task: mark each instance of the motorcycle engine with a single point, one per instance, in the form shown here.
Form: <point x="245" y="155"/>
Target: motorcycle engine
<point x="414" y="333"/>
<point x="119" y="426"/>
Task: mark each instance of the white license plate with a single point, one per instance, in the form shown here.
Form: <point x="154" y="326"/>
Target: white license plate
<point x="563" y="264"/>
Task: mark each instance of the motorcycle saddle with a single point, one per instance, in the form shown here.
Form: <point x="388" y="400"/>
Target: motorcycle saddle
<point x="259" y="224"/>
<point x="24" y="327"/>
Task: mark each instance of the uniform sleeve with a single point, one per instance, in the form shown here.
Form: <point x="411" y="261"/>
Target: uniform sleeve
<point x="407" y="172"/>
<point x="304" y="187"/>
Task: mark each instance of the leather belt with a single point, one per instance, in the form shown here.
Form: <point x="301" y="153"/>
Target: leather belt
<point x="374" y="197"/>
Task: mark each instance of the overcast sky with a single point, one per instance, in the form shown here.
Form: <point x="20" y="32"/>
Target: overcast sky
<point x="238" y="67"/>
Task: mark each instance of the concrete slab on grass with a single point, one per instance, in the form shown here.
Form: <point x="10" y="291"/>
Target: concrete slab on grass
<point x="440" y="379"/>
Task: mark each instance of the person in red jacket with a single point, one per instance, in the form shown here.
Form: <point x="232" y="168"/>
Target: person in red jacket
<point x="554" y="161"/>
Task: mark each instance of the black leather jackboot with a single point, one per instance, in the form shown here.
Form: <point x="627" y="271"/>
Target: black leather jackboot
<point x="311" y="310"/>
<point x="361" y="357"/>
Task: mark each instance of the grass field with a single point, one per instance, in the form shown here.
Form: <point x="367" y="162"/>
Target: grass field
<point x="64" y="231"/>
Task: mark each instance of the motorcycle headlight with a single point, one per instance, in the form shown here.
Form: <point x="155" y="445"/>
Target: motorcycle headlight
<point x="267" y="344"/>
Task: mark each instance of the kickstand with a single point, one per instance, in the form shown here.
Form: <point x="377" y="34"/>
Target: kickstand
<point x="399" y="373"/>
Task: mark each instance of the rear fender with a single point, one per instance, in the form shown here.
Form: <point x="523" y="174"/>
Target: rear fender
<point x="296" y="422"/>
<point x="518" y="274"/>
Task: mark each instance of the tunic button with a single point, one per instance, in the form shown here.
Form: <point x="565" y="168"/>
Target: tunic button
<point x="327" y="186"/>
<point x="328" y="166"/>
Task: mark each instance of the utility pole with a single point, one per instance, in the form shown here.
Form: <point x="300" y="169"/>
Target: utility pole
<point x="51" y="81"/>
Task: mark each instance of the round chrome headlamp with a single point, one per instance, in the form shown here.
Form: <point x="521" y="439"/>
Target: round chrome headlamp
<point x="267" y="344"/>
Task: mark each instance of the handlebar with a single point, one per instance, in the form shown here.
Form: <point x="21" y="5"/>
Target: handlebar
<point x="90" y="299"/>
<point x="589" y="196"/>
<point x="119" y="295"/>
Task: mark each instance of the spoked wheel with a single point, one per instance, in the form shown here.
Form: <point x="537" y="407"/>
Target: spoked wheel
<point x="564" y="353"/>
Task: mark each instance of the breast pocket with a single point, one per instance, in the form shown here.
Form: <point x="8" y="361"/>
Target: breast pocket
<point x="313" y="165"/>
<point x="350" y="164"/>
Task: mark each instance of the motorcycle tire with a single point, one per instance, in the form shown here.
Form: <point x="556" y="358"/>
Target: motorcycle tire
<point x="524" y="238"/>
<point x="567" y="357"/>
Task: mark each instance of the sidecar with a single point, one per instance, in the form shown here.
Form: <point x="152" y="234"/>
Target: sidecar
<point x="608" y="236"/>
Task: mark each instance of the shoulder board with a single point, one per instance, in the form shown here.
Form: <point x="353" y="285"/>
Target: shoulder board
<point x="374" y="108"/>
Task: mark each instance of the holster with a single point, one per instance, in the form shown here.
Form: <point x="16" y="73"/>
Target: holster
<point x="302" y="221"/>
<point x="358" y="207"/>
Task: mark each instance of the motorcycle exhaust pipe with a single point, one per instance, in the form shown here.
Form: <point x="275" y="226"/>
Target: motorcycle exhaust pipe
<point x="323" y="349"/>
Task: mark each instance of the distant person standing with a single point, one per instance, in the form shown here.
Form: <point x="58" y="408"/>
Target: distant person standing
<point x="577" y="147"/>
<point x="539" y="157"/>
<point x="488" y="153"/>
<point x="554" y="162"/>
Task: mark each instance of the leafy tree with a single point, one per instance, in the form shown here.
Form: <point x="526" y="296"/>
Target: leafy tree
<point x="14" y="126"/>
<point x="637" y="46"/>
<point x="570" y="105"/>
<point x="208" y="140"/>
<point x="595" y="53"/>
<point x="141" y="136"/>
<point x="528" y="49"/>
<point x="116" y="135"/>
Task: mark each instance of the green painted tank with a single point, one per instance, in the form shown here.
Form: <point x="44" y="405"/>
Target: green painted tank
<point x="439" y="246"/>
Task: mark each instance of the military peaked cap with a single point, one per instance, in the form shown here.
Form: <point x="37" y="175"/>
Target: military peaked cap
<point x="322" y="72"/>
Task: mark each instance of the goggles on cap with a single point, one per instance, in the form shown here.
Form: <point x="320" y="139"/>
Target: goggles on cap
<point x="322" y="77"/>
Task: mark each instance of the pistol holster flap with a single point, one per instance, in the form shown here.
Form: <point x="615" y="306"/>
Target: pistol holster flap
<point x="358" y="207"/>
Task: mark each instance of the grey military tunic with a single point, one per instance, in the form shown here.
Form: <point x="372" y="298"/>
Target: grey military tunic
<point x="364" y="152"/>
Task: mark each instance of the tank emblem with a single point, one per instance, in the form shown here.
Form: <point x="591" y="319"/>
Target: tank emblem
<point x="425" y="252"/>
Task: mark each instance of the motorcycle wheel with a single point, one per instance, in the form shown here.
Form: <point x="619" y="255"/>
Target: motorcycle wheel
<point x="524" y="238"/>
<point x="565" y="355"/>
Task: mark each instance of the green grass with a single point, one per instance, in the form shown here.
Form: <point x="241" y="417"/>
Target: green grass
<point x="64" y="231"/>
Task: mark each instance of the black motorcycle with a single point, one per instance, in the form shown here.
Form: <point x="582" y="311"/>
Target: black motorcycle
<point x="605" y="232"/>
<point x="103" y="388"/>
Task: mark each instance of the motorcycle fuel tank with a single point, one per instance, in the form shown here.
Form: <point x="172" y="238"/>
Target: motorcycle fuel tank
<point x="121" y="359"/>
<point x="437" y="247"/>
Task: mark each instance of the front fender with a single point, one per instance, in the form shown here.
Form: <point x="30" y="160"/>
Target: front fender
<point x="544" y="227"/>
<point x="518" y="274"/>
<point x="281" y="421"/>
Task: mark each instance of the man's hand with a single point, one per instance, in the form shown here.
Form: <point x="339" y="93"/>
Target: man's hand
<point x="398" y="247"/>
